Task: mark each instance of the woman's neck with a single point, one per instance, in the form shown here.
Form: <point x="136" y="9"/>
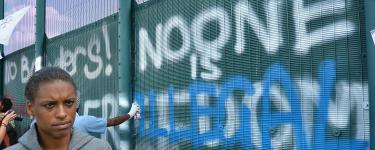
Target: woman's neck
<point x="48" y="142"/>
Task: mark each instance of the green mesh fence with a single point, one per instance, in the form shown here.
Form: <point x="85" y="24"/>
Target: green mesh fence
<point x="18" y="67"/>
<point x="219" y="74"/>
<point x="238" y="74"/>
<point x="66" y="15"/>
<point x="90" y="55"/>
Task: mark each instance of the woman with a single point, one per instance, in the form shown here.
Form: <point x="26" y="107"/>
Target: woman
<point x="51" y="99"/>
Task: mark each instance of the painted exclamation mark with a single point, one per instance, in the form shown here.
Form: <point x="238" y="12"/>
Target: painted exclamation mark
<point x="108" y="68"/>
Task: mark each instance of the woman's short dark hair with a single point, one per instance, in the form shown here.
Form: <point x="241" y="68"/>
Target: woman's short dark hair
<point x="7" y="104"/>
<point x="46" y="74"/>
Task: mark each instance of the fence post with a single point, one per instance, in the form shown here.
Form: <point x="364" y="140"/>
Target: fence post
<point x="370" y="25"/>
<point x="125" y="58"/>
<point x="2" y="53"/>
<point x="40" y="39"/>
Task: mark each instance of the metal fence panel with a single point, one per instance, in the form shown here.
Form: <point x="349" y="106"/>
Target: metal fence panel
<point x="244" y="74"/>
<point x="90" y="55"/>
<point x="18" y="67"/>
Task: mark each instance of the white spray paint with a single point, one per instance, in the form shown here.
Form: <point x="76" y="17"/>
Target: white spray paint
<point x="268" y="34"/>
<point x="327" y="33"/>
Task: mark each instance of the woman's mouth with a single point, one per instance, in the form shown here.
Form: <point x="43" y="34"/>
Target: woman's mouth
<point x="62" y="125"/>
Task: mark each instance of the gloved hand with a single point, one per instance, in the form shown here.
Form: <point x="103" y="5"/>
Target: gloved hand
<point x="134" y="109"/>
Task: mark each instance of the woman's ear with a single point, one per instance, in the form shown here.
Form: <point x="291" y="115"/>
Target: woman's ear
<point x="29" y="106"/>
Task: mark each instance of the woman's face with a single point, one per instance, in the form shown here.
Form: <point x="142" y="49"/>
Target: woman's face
<point x="54" y="108"/>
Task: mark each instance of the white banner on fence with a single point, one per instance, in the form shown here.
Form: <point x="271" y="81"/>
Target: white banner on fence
<point x="8" y="24"/>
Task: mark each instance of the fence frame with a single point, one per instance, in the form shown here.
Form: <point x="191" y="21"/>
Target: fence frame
<point x="2" y="11"/>
<point x="369" y="12"/>
<point x="125" y="61"/>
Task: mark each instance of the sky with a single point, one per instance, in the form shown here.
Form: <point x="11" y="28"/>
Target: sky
<point x="61" y="16"/>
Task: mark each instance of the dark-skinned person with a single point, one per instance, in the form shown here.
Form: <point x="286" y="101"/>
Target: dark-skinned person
<point x="10" y="136"/>
<point x="92" y="124"/>
<point x="5" y="121"/>
<point x="51" y="99"/>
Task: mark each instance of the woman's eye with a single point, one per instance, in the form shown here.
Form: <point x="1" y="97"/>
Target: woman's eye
<point x="49" y="106"/>
<point x="69" y="103"/>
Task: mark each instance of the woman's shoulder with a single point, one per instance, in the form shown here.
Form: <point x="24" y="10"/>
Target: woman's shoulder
<point x="84" y="141"/>
<point x="17" y="146"/>
<point x="96" y="143"/>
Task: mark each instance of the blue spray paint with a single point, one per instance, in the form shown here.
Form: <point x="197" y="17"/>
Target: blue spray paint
<point x="139" y="98"/>
<point x="208" y="89"/>
<point x="243" y="134"/>
<point x="181" y="134"/>
<point x="268" y="119"/>
<point x="327" y="78"/>
<point x="271" y="120"/>
<point x="155" y="131"/>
